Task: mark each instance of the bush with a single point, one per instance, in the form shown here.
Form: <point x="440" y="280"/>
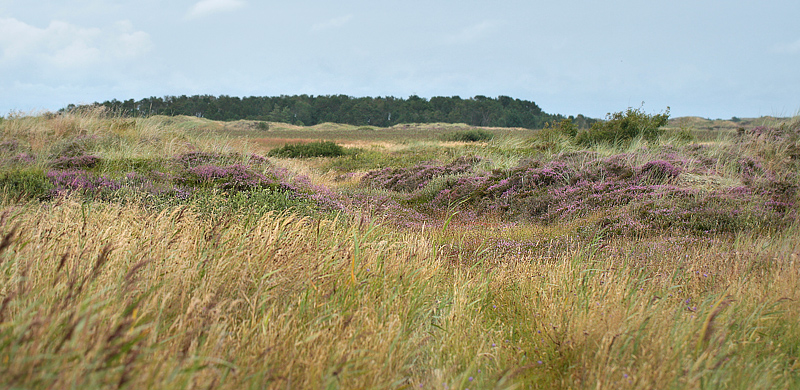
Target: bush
<point x="197" y="158"/>
<point x="416" y="177"/>
<point x="473" y="135"/>
<point x="623" y="127"/>
<point x="26" y="184"/>
<point x="312" y="149"/>
<point x="233" y="177"/>
<point x="566" y="127"/>
<point x="659" y="171"/>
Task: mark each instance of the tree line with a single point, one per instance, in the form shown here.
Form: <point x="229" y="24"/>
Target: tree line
<point x="306" y="110"/>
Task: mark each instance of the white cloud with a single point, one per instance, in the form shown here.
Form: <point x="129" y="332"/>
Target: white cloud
<point x="78" y="54"/>
<point x="17" y="38"/>
<point x="133" y="45"/>
<point x="332" y="23"/>
<point x="793" y="47"/>
<point x="64" y="45"/>
<point x="208" y="7"/>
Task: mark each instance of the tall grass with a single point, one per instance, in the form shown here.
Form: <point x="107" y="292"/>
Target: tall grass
<point x="104" y="295"/>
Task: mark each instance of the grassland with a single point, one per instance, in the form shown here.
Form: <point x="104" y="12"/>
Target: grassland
<point x="170" y="253"/>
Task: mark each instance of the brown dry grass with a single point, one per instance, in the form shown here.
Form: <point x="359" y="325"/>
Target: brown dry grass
<point x="108" y="295"/>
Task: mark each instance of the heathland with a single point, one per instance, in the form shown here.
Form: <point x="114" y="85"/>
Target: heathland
<point x="180" y="252"/>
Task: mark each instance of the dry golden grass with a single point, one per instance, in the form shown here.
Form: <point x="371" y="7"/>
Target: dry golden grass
<point x="99" y="295"/>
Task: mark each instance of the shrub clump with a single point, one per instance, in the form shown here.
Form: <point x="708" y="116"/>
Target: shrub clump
<point x="68" y="180"/>
<point x="659" y="171"/>
<point x="472" y="135"/>
<point x="311" y="149"/>
<point x="566" y="127"/>
<point x="623" y="127"/>
<point x="69" y="162"/>
<point x="233" y="177"/>
<point x="632" y="200"/>
<point x="31" y="183"/>
<point x="416" y="177"/>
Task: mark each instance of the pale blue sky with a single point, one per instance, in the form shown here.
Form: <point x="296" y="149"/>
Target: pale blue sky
<point x="714" y="59"/>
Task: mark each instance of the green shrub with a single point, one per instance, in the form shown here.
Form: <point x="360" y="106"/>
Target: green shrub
<point x="623" y="127"/>
<point x="473" y="135"/>
<point x="312" y="149"/>
<point x="566" y="127"/>
<point x="29" y="183"/>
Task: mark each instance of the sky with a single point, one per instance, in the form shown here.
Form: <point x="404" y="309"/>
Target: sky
<point x="707" y="58"/>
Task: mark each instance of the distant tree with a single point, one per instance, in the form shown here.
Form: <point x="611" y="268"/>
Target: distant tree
<point x="480" y="110"/>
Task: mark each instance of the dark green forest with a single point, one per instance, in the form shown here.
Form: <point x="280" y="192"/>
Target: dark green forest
<point x="306" y="110"/>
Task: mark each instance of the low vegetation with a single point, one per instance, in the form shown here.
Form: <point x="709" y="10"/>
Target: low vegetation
<point x="473" y="135"/>
<point x="623" y="127"/>
<point x="311" y="149"/>
<point x="164" y="253"/>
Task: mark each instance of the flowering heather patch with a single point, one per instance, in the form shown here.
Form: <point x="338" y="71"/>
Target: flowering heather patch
<point x="236" y="177"/>
<point x="749" y="168"/>
<point x="612" y="168"/>
<point x="256" y="159"/>
<point x="9" y="146"/>
<point x="75" y="179"/>
<point x="714" y="212"/>
<point x="22" y="158"/>
<point x="416" y="177"/>
<point x="770" y="142"/>
<point x="302" y="188"/>
<point x="782" y="133"/>
<point x="68" y="162"/>
<point x="632" y="199"/>
<point x="659" y="171"/>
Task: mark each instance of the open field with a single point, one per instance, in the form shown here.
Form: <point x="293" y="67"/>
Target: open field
<point x="176" y="253"/>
